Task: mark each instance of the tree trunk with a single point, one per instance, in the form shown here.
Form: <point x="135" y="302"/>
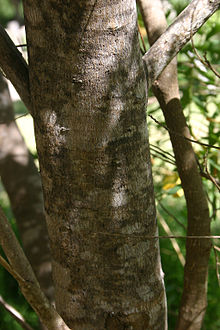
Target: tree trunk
<point x="23" y="185"/>
<point x="88" y="92"/>
<point x="165" y="88"/>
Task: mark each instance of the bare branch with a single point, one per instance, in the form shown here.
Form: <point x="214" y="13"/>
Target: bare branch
<point x="15" y="314"/>
<point x="183" y="136"/>
<point x="173" y="241"/>
<point x="170" y="214"/>
<point x="26" y="278"/>
<point x="216" y="250"/>
<point x="177" y="35"/>
<point x="204" y="61"/>
<point x="6" y="265"/>
<point x="14" y="67"/>
<point x="166" y="90"/>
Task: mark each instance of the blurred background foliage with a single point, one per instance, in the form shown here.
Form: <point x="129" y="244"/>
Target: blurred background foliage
<point x="200" y="98"/>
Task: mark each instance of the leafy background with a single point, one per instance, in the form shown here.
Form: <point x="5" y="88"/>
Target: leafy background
<point x="200" y="98"/>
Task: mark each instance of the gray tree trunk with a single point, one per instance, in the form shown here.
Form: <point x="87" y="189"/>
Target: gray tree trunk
<point x="88" y="94"/>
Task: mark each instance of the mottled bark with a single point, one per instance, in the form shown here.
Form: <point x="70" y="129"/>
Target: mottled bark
<point x="22" y="182"/>
<point x="165" y="88"/>
<point x="89" y="110"/>
<point x="177" y="35"/>
<point x="187" y="23"/>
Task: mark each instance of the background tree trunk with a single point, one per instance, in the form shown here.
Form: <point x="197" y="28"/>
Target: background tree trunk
<point x="165" y="88"/>
<point x="22" y="182"/>
<point x="87" y="87"/>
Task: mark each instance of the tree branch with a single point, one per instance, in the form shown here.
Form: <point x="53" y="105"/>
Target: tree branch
<point x="15" y="314"/>
<point x="166" y="90"/>
<point x="14" y="67"/>
<point x="26" y="278"/>
<point x="177" y="35"/>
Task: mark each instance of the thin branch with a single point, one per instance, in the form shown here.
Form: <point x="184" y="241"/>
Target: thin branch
<point x="177" y="35"/>
<point x="160" y="153"/>
<point x="6" y="265"/>
<point x="14" y="67"/>
<point x="142" y="39"/>
<point x="208" y="174"/>
<point x="216" y="250"/>
<point x="171" y="215"/>
<point x="136" y="236"/>
<point x="173" y="241"/>
<point x="26" y="278"/>
<point x="163" y="151"/>
<point x="15" y="314"/>
<point x="21" y="45"/>
<point x="21" y="116"/>
<point x="14" y="119"/>
<point x="210" y="66"/>
<point x="205" y="62"/>
<point x="156" y="155"/>
<point x="182" y="136"/>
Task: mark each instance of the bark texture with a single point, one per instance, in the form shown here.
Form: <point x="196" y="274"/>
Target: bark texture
<point x="88" y="90"/>
<point x="165" y="88"/>
<point x="177" y="35"/>
<point x="187" y="23"/>
<point x="22" y="182"/>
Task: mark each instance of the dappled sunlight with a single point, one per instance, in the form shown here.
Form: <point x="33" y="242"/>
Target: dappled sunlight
<point x="119" y="197"/>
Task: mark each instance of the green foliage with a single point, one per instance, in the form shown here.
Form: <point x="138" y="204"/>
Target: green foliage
<point x="9" y="289"/>
<point x="200" y="97"/>
<point x="7" y="11"/>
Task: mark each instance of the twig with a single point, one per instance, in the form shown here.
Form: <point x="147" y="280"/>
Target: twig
<point x="15" y="67"/>
<point x="208" y="174"/>
<point x="26" y="278"/>
<point x="164" y="153"/>
<point x="161" y="152"/>
<point x="15" y="314"/>
<point x="135" y="236"/>
<point x="217" y="263"/>
<point x="173" y="241"/>
<point x="171" y="215"/>
<point x="177" y="35"/>
<point x="182" y="136"/>
<point x="156" y="155"/>
<point x="24" y="115"/>
<point x="142" y="39"/>
<point x="6" y="265"/>
<point x="21" y="45"/>
<point x="13" y="119"/>
<point x="205" y="62"/>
